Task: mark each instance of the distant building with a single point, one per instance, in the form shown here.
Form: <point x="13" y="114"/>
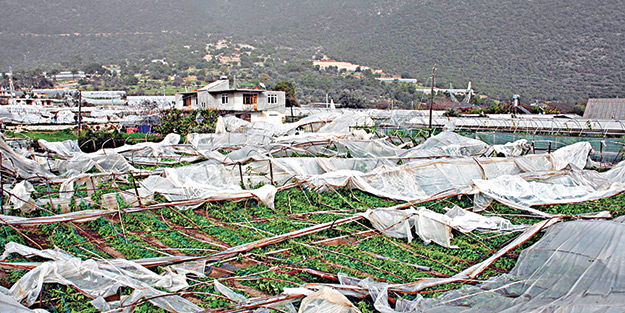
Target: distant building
<point x="69" y="76"/>
<point x="38" y="97"/>
<point x="248" y="104"/>
<point x="605" y="109"/>
<point x="347" y="66"/>
<point x="398" y="79"/>
<point x="113" y="97"/>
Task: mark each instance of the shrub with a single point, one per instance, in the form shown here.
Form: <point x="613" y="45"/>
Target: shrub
<point x="179" y="122"/>
<point x="91" y="141"/>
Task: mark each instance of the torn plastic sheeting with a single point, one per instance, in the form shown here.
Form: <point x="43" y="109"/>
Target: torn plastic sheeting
<point x="368" y="148"/>
<point x="110" y="159"/>
<point x="195" y="268"/>
<point x="393" y="223"/>
<point x="352" y="286"/>
<point x="65" y="149"/>
<point x="23" y="167"/>
<point x="81" y="163"/>
<point x="20" y="196"/>
<point x="236" y="125"/>
<point x="211" y="142"/>
<point x="431" y="226"/>
<point x="230" y="294"/>
<point x="164" y="148"/>
<point x="344" y="123"/>
<point x="168" y="302"/>
<point x="575" y="267"/>
<point x="203" y="181"/>
<point x="327" y="300"/>
<point x="379" y="294"/>
<point x="448" y="144"/>
<point x="66" y="191"/>
<point x="129" y="197"/>
<point x="80" y="216"/>
<point x="97" y="279"/>
<point x="524" y="191"/>
<point x="467" y="221"/>
<point x="304" y="167"/>
<point x="89" y="215"/>
<point x="8" y="304"/>
<point x="422" y="179"/>
<point x="445" y="144"/>
<point x="512" y="149"/>
<point x="478" y="268"/>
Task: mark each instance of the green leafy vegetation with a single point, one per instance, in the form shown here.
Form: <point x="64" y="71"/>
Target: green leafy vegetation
<point x="181" y="122"/>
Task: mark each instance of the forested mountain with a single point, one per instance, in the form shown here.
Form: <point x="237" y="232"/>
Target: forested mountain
<point x="550" y="49"/>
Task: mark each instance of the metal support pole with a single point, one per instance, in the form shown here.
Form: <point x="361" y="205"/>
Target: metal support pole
<point x="271" y="171"/>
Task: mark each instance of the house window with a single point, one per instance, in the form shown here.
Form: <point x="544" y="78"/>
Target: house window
<point x="250" y="98"/>
<point x="272" y="98"/>
<point x="224" y="98"/>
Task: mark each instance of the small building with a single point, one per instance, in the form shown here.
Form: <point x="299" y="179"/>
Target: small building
<point x="248" y="104"/>
<point x="69" y="76"/>
<point x="112" y="97"/>
<point x="605" y="109"/>
<point x="347" y="66"/>
<point x="397" y="79"/>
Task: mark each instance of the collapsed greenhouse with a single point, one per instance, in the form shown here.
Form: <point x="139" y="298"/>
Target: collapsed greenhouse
<point x="321" y="215"/>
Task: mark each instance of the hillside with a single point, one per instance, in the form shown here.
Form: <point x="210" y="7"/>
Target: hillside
<point x="550" y="50"/>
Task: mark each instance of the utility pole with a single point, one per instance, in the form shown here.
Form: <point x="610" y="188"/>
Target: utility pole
<point x="432" y="95"/>
<point x="79" y="112"/>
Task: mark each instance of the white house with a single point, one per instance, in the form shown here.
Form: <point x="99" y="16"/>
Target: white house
<point x="248" y="104"/>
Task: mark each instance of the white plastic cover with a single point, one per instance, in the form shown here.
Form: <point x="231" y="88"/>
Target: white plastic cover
<point x="230" y="294"/>
<point x="8" y="304"/>
<point x="20" y="196"/>
<point x="204" y="181"/>
<point x="448" y="144"/>
<point x="101" y="278"/>
<point x="576" y="267"/>
<point x="559" y="187"/>
<point x="23" y="167"/>
<point x="431" y="226"/>
<point x="327" y="300"/>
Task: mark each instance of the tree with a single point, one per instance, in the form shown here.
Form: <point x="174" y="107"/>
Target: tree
<point x="289" y="89"/>
<point x="94" y="68"/>
<point x="350" y="99"/>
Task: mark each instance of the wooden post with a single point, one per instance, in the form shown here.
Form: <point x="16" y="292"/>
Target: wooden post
<point x="432" y="97"/>
<point x="1" y="184"/>
<point x="79" y="112"/>
<point x="601" y="151"/>
<point x="134" y="183"/>
<point x="241" y="173"/>
<point x="549" y="148"/>
<point x="271" y="171"/>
